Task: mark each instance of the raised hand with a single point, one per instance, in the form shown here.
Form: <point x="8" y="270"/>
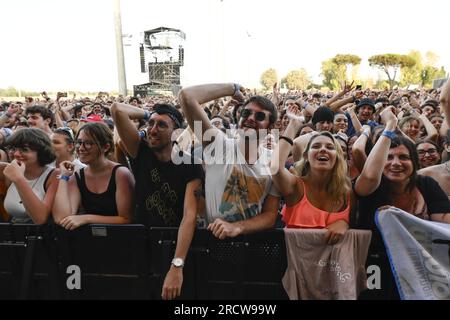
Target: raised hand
<point x="388" y="116"/>
<point x="239" y="93"/>
<point x="66" y="168"/>
<point x="14" y="171"/>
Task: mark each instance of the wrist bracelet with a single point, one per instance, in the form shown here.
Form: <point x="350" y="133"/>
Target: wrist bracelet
<point x="146" y="115"/>
<point x="237" y="88"/>
<point x="389" y="134"/>
<point x="65" y="178"/>
<point x="288" y="140"/>
<point x="366" y="133"/>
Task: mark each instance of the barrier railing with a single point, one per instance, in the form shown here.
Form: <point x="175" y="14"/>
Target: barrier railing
<point x="131" y="261"/>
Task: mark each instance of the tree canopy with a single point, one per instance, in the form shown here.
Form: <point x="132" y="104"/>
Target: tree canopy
<point x="296" y="80"/>
<point x="269" y="78"/>
<point x="390" y="63"/>
<point x="346" y="59"/>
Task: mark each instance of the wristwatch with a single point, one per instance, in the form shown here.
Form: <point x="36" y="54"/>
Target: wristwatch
<point x="178" y="262"/>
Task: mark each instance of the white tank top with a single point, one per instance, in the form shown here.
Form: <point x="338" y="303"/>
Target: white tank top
<point x="13" y="203"/>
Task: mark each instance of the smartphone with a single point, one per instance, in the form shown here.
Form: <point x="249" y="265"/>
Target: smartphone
<point x="63" y="95"/>
<point x="358" y="87"/>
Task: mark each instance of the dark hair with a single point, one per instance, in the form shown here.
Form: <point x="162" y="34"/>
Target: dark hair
<point x="236" y="108"/>
<point x="100" y="133"/>
<point x="44" y="112"/>
<point x="37" y="140"/>
<point x="226" y="123"/>
<point x="170" y="111"/>
<point x="208" y="113"/>
<point x="266" y="104"/>
<point x="402" y="141"/>
<point x="439" y="149"/>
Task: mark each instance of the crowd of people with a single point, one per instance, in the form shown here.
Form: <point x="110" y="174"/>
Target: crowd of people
<point x="239" y="160"/>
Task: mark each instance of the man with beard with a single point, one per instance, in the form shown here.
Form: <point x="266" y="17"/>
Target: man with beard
<point x="240" y="197"/>
<point x="165" y="192"/>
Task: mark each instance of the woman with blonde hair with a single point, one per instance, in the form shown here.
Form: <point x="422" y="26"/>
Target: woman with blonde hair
<point x="317" y="191"/>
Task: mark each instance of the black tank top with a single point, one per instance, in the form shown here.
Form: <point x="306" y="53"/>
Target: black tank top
<point x="98" y="203"/>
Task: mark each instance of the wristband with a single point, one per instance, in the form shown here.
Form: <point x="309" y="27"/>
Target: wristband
<point x="65" y="178"/>
<point x="366" y="133"/>
<point x="389" y="134"/>
<point x="288" y="140"/>
<point x="237" y="88"/>
<point x="146" y="115"/>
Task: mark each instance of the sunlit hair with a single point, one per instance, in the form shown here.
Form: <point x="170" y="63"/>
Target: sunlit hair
<point x="407" y="121"/>
<point x="339" y="185"/>
<point x="100" y="133"/>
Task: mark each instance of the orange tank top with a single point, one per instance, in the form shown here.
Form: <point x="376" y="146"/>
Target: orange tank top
<point x="304" y="215"/>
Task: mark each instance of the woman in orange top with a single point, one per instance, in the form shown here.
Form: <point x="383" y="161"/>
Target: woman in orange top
<point x="317" y="190"/>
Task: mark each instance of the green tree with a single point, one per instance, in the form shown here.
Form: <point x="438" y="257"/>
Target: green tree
<point x="10" y="92"/>
<point x="269" y="78"/>
<point x="296" y="80"/>
<point x="430" y="70"/>
<point x="412" y="75"/>
<point x="429" y="73"/>
<point x="348" y="61"/>
<point x="333" y="74"/>
<point x="391" y="63"/>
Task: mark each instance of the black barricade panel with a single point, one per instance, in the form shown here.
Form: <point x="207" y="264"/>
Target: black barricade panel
<point x="32" y="265"/>
<point x="130" y="262"/>
<point x="162" y="244"/>
<point x="248" y="267"/>
<point x="111" y="260"/>
<point x="9" y="264"/>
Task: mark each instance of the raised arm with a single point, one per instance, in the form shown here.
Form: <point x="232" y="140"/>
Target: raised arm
<point x="284" y="181"/>
<point x="370" y="177"/>
<point x="191" y="99"/>
<point x="347" y="88"/>
<point x="123" y="114"/>
<point x="432" y="133"/>
<point x="300" y="144"/>
<point x="359" y="149"/>
<point x="445" y="101"/>
<point x="354" y="119"/>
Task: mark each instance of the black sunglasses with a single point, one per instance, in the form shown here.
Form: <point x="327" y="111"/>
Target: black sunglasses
<point x="259" y="115"/>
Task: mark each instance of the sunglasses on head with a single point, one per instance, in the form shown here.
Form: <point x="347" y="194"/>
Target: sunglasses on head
<point x="259" y="115"/>
<point x="67" y="131"/>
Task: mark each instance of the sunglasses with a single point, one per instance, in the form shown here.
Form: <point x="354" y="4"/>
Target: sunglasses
<point x="259" y="115"/>
<point x="67" y="131"/>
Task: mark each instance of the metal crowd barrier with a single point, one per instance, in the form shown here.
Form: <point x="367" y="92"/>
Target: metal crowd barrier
<point x="131" y="261"/>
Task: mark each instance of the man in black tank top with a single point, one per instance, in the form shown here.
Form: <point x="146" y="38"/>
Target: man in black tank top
<point x="165" y="192"/>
